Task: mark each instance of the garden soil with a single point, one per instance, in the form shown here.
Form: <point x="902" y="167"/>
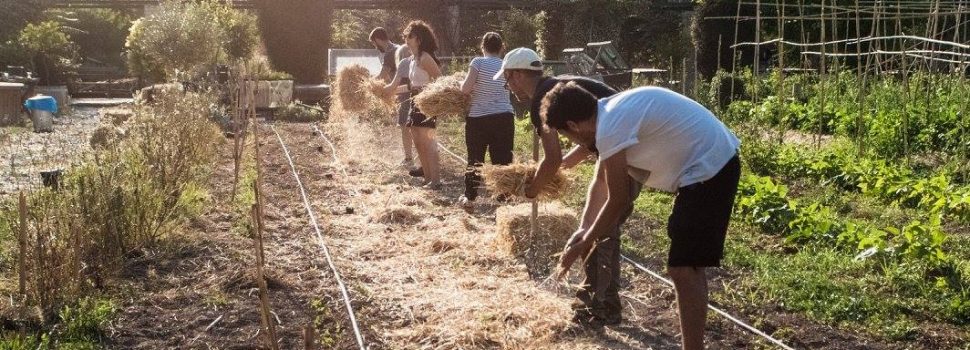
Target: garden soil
<point x="422" y="273"/>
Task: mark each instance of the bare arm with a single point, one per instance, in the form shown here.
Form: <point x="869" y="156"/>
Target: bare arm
<point x="549" y="165"/>
<point x="617" y="199"/>
<point x="468" y="85"/>
<point x="575" y="156"/>
<point x="428" y="64"/>
<point x="392" y="86"/>
<point x="595" y="197"/>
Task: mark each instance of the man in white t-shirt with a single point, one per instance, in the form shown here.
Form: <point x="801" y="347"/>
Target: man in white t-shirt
<point x="657" y="138"/>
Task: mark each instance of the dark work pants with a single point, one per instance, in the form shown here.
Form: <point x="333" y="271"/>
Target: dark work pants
<point x="493" y="133"/>
<point x="599" y="294"/>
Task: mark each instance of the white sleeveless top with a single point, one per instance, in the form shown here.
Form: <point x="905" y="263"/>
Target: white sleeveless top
<point x="418" y="76"/>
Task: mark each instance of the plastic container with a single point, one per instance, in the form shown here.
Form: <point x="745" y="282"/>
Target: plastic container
<point x="41" y="102"/>
<point x="42" y="109"/>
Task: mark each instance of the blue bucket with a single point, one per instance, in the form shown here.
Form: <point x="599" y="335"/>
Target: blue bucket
<point x="41" y="102"/>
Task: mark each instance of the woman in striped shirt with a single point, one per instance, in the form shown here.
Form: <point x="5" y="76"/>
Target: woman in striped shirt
<point x="490" y="125"/>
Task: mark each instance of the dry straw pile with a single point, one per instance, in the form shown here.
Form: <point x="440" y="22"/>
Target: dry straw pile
<point x="507" y="179"/>
<point x="538" y="251"/>
<point x="349" y="87"/>
<point x="375" y="87"/>
<point x="443" y="98"/>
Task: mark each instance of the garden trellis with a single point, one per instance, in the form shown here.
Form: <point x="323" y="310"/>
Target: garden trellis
<point x="921" y="46"/>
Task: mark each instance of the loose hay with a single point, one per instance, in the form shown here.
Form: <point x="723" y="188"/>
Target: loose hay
<point x="507" y="179"/>
<point x="396" y="214"/>
<point x="375" y="87"/>
<point x="349" y="85"/>
<point x="443" y="97"/>
<point x="555" y="225"/>
<point x="105" y="136"/>
<point x="116" y="115"/>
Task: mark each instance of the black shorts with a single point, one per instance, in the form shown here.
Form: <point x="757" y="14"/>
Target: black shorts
<point x="416" y="119"/>
<point x="699" y="221"/>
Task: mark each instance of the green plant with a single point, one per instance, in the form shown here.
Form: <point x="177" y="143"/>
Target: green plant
<point x="298" y="112"/>
<point x="54" y="54"/>
<point x="84" y="321"/>
<point x="119" y="200"/>
<point x="184" y="39"/>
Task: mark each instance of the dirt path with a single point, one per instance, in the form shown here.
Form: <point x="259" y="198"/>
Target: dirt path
<point x="431" y="277"/>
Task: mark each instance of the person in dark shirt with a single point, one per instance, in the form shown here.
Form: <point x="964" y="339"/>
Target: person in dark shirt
<point x="598" y="300"/>
<point x="378" y="37"/>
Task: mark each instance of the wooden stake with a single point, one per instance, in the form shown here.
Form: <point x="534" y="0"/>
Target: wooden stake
<point x="22" y="243"/>
<point x="822" y="76"/>
<point x="757" y="49"/>
<point x="734" y="55"/>
<point x="534" y="219"/>
<point x="309" y="337"/>
<point x="266" y="318"/>
<point x="781" y="73"/>
<point x="683" y="76"/>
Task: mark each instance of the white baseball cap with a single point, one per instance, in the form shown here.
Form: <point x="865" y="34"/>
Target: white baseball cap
<point x="520" y="58"/>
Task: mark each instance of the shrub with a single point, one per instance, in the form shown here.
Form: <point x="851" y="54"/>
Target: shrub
<point x="181" y="38"/>
<point x="54" y="55"/>
<point x="118" y="200"/>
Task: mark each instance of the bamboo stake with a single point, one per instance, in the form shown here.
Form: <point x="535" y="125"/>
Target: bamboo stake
<point x="309" y="337"/>
<point x="22" y="243"/>
<point x="534" y="218"/>
<point x="861" y="98"/>
<point x="734" y="54"/>
<point x="782" y="126"/>
<point x="822" y="79"/>
<point x="683" y="76"/>
<point x="757" y="49"/>
<point x="266" y="318"/>
<point x="905" y="96"/>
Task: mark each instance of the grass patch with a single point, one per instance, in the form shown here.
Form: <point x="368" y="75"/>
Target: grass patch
<point x="80" y="326"/>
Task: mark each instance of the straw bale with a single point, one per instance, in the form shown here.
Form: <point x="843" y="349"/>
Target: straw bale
<point x="507" y="179"/>
<point x="349" y="87"/>
<point x="555" y="225"/>
<point x="443" y="97"/>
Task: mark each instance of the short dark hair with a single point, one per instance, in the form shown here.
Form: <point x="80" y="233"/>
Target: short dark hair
<point x="567" y="102"/>
<point x="378" y="33"/>
<point x="492" y="42"/>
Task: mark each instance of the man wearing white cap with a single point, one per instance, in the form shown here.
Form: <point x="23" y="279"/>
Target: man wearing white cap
<point x="598" y="300"/>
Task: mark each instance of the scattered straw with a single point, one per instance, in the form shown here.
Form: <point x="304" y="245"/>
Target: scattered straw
<point x="349" y="85"/>
<point x="443" y="97"/>
<point x="396" y="214"/>
<point x="116" y="115"/>
<point x="375" y="87"/>
<point x="555" y="224"/>
<point x="105" y="136"/>
<point x="507" y="179"/>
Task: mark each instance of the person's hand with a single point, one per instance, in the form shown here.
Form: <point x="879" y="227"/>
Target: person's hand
<point x="571" y="253"/>
<point x="576" y="237"/>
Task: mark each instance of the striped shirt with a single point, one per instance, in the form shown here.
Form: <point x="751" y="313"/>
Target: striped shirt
<point x="488" y="96"/>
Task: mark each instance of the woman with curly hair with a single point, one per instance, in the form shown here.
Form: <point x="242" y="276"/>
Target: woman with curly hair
<point x="424" y="69"/>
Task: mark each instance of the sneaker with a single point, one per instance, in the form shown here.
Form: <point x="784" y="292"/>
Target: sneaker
<point x="432" y="185"/>
<point x="416" y="172"/>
